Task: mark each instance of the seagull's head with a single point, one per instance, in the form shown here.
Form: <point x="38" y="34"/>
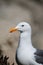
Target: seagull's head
<point x="21" y="27"/>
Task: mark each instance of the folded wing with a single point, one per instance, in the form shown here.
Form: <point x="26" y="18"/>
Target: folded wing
<point x="39" y="56"/>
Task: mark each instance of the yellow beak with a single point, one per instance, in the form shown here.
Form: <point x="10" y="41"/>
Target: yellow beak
<point x="13" y="30"/>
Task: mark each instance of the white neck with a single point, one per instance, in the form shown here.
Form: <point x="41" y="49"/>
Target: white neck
<point x="25" y="39"/>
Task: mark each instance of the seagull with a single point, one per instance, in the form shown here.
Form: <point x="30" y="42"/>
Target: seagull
<point x="26" y="54"/>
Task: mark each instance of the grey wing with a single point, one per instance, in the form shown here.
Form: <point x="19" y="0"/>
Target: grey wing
<point x="39" y="56"/>
<point x="39" y="52"/>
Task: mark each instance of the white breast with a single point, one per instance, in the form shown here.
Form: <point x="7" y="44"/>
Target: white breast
<point x="25" y="54"/>
<point x="25" y="51"/>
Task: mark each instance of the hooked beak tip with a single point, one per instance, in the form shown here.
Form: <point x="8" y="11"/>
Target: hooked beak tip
<point x="13" y="30"/>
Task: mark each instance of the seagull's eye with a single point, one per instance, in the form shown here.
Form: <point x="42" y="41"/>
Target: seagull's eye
<point x="22" y="25"/>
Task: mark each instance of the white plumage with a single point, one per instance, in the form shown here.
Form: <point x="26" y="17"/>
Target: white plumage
<point x="26" y="54"/>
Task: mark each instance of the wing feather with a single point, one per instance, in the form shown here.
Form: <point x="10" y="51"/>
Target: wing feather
<point x="39" y="56"/>
<point x="39" y="52"/>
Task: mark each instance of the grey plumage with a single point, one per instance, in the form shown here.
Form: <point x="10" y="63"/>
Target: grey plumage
<point x="39" y="56"/>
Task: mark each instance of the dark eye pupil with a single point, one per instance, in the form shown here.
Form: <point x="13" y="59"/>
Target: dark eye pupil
<point x="22" y="25"/>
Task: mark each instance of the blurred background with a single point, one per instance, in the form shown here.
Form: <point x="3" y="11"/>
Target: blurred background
<point x="11" y="13"/>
